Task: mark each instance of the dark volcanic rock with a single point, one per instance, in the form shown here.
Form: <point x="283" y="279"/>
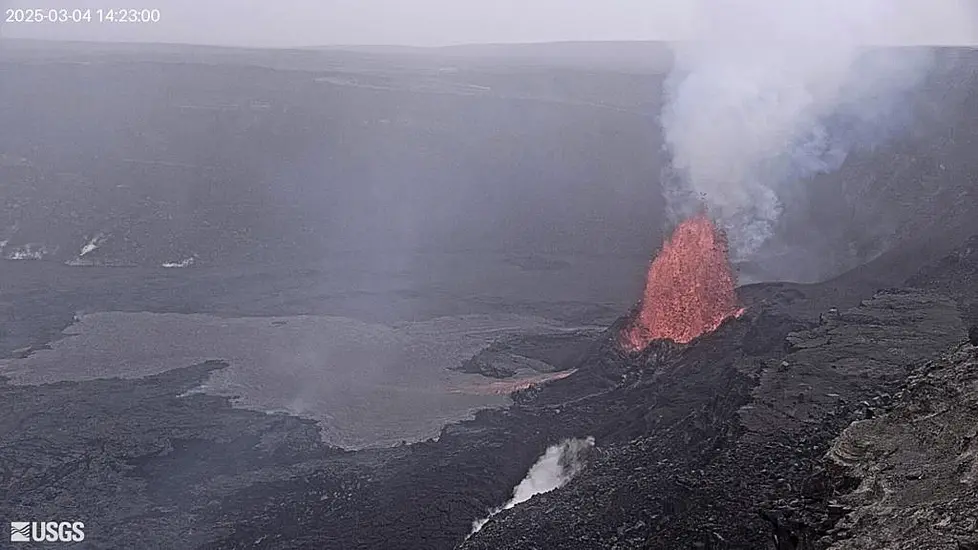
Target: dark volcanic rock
<point x="917" y="464"/>
<point x="715" y="444"/>
<point x="138" y="463"/>
<point x="428" y="496"/>
<point x="703" y="477"/>
<point x="537" y="352"/>
<point x="955" y="275"/>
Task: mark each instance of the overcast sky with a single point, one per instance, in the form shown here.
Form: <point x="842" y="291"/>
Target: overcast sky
<point x="438" y="22"/>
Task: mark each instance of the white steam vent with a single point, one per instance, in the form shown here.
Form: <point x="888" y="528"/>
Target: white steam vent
<point x="553" y="470"/>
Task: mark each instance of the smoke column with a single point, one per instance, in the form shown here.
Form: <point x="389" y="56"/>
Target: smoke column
<point x="553" y="470"/>
<point x="771" y="93"/>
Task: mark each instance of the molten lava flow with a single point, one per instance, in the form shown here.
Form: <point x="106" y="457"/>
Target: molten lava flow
<point x="689" y="290"/>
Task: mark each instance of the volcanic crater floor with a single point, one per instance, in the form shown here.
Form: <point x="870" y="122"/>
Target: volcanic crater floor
<point x="367" y="384"/>
<point x="794" y="426"/>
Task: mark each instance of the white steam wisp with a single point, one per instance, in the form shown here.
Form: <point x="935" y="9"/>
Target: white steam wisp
<point x="553" y="470"/>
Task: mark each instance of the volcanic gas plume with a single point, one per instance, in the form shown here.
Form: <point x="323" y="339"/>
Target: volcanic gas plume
<point x="767" y="95"/>
<point x="689" y="290"/>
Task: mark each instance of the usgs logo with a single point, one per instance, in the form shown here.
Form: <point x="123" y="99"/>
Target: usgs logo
<point x="46" y="531"/>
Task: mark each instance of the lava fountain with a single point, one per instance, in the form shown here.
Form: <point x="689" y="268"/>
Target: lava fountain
<point x="689" y="290"/>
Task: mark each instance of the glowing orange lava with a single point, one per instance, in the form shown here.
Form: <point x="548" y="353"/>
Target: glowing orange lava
<point x="689" y="290"/>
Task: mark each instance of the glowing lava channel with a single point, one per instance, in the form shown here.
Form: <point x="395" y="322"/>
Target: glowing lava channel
<point x="689" y="290"/>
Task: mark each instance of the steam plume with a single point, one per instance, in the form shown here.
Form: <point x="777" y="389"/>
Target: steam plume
<point x="774" y="92"/>
<point x="553" y="470"/>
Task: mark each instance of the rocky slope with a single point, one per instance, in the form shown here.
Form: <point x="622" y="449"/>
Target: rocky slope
<point x="701" y="478"/>
<point x="916" y="463"/>
<point x="755" y="474"/>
